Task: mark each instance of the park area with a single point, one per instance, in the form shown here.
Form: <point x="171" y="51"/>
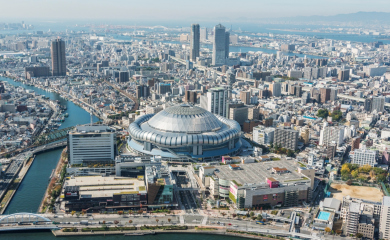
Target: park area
<point x="368" y="193"/>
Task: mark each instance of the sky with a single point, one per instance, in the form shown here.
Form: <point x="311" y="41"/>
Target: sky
<point x="201" y="10"/>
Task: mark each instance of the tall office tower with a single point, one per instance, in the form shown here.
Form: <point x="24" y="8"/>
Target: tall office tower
<point x="325" y="94"/>
<point x="88" y="144"/>
<point x="378" y="104"/>
<point x="203" y="34"/>
<point x="194" y="42"/>
<point x="217" y="99"/>
<point x="219" y="46"/>
<point x="286" y="138"/>
<point x="227" y="43"/>
<point x="143" y="91"/>
<point x="231" y="79"/>
<point x="298" y="91"/>
<point x="367" y="105"/>
<point x="58" y="60"/>
<point x="245" y="97"/>
<point x="384" y="226"/>
<point x="333" y="94"/>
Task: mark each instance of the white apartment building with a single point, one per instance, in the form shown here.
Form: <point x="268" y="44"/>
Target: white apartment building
<point x="330" y="135"/>
<point x="262" y="135"/>
<point x="94" y="143"/>
<point x="364" y="157"/>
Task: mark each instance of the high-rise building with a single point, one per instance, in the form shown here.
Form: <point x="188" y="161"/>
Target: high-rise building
<point x="333" y="94"/>
<point x="245" y="97"/>
<point x="325" y="94"/>
<point x="164" y="88"/>
<point x="58" y="58"/>
<point x="194" y="42"/>
<point x="330" y="135"/>
<point x="276" y="89"/>
<point x="88" y="144"/>
<point x="367" y="105"/>
<point x="191" y="96"/>
<point x="143" y="91"/>
<point x="227" y="43"/>
<point x="286" y="138"/>
<point x="238" y="112"/>
<point x="263" y="135"/>
<point x="219" y="46"/>
<point x="378" y="104"/>
<point x="344" y="75"/>
<point x="384" y="226"/>
<point x="124" y="76"/>
<point x="203" y="34"/>
<point x="217" y="99"/>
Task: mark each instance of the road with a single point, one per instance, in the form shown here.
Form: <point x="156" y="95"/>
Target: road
<point x="12" y="170"/>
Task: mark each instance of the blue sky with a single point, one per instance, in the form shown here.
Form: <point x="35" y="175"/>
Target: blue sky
<point x="181" y="9"/>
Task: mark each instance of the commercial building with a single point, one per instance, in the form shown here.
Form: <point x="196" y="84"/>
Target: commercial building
<point x="286" y="138"/>
<point x="91" y="144"/>
<point x="264" y="184"/>
<point x="58" y="58"/>
<point x="364" y="157"/>
<point x="184" y="132"/>
<point x="325" y="94"/>
<point x="97" y="193"/>
<point x="194" y="42"/>
<point x="238" y="112"/>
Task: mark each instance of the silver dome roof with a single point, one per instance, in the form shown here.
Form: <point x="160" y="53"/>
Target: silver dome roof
<point x="185" y="118"/>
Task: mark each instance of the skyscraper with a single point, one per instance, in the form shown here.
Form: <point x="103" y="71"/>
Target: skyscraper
<point x="203" y="34"/>
<point x="378" y="104"/>
<point x="217" y="99"/>
<point x="219" y="46"/>
<point x="227" y="42"/>
<point x="194" y="41"/>
<point x="58" y="59"/>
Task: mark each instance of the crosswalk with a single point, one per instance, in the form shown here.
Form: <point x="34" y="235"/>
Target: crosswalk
<point x="181" y="219"/>
<point x="204" y="220"/>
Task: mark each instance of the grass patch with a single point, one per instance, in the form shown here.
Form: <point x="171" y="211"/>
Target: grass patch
<point x="70" y="230"/>
<point x="108" y="229"/>
<point x="275" y="159"/>
<point x="170" y="227"/>
<point x="205" y="229"/>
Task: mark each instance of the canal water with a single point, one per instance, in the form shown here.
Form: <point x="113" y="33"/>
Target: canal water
<point x="31" y="190"/>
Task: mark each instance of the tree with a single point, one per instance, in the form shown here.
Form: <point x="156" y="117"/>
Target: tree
<point x="130" y="221"/>
<point x="157" y="221"/>
<point x="322" y="113"/>
<point x="290" y="153"/>
<point x="381" y="177"/>
<point x="116" y="222"/>
<point x="169" y="220"/>
<point x="120" y="213"/>
<point x="72" y="213"/>
<point x="359" y="235"/>
<point x="130" y="212"/>
<point x="336" y="115"/>
<point x="252" y="214"/>
<point x="223" y="214"/>
<point x="328" y="230"/>
<point x="355" y="173"/>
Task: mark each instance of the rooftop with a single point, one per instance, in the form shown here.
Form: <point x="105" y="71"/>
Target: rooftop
<point x="256" y="173"/>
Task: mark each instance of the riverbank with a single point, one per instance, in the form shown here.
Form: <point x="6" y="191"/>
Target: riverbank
<point x="56" y="181"/>
<point x="223" y="232"/>
<point x="13" y="187"/>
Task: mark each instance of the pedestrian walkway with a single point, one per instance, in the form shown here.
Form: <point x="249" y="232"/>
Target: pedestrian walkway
<point x="181" y="219"/>
<point x="204" y="221"/>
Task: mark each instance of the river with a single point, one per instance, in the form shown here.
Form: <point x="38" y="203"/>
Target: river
<point x="31" y="190"/>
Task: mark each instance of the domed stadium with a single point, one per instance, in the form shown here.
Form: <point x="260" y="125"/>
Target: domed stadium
<point x="184" y="132"/>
